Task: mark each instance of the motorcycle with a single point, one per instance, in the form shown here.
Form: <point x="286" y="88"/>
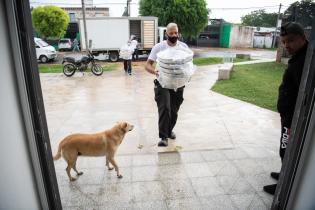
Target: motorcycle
<point x="71" y="65"/>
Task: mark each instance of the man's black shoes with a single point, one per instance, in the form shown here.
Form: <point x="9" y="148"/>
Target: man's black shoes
<point x="163" y="143"/>
<point x="271" y="189"/>
<point x="172" y="136"/>
<point x="275" y="175"/>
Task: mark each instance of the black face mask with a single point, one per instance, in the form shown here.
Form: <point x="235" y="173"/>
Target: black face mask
<point x="172" y="39"/>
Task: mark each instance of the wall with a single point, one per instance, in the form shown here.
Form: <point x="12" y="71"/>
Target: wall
<point x="262" y="41"/>
<point x="17" y="183"/>
<point x="89" y="12"/>
<point x="241" y="37"/>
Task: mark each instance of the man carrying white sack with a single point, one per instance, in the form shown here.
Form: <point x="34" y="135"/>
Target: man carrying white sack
<point x="125" y="53"/>
<point x="168" y="100"/>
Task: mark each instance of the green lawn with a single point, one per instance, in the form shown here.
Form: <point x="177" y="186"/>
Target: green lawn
<point x="207" y="61"/>
<point x="254" y="83"/>
<point x="57" y="68"/>
<point x="50" y="68"/>
<point x="236" y="60"/>
<point x="214" y="60"/>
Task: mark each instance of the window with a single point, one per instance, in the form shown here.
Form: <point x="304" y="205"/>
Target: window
<point x="72" y="17"/>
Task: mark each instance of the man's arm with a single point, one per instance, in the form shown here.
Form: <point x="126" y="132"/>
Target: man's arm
<point x="149" y="67"/>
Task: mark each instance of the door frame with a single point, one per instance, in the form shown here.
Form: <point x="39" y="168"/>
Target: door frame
<point x="18" y="15"/>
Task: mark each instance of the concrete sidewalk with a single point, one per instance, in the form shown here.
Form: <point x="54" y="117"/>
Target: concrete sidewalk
<point x="223" y="154"/>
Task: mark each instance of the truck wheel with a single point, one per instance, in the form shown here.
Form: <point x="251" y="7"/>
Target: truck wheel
<point x="113" y="56"/>
<point x="43" y="59"/>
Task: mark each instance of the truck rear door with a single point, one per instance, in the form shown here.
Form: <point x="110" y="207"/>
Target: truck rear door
<point x="148" y="34"/>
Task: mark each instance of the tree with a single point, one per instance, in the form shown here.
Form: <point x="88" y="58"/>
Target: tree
<point x="50" y="21"/>
<point x="302" y="12"/>
<point x="260" y="18"/>
<point x="191" y="16"/>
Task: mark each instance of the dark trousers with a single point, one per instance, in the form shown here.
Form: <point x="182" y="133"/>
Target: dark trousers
<point x="168" y="102"/>
<point x="135" y="55"/>
<point x="127" y="66"/>
<point x="285" y="134"/>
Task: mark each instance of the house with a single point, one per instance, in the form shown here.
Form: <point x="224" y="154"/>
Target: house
<point x="76" y="12"/>
<point x="263" y="37"/>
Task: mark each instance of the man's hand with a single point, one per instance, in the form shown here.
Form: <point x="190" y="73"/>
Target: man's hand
<point x="149" y="67"/>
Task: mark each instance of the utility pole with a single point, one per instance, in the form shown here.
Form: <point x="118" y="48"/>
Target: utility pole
<point x="275" y="33"/>
<point x="128" y="7"/>
<point x="84" y="25"/>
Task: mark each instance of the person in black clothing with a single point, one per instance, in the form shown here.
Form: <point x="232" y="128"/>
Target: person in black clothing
<point x="294" y="41"/>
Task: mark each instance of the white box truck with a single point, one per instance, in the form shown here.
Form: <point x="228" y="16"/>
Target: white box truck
<point x="109" y="34"/>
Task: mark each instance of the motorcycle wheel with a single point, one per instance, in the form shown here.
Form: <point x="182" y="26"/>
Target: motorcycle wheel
<point x="69" y="70"/>
<point x="97" y="69"/>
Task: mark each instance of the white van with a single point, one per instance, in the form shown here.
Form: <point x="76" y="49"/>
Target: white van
<point x="44" y="51"/>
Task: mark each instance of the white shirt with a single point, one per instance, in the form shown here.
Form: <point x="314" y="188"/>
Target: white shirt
<point x="134" y="43"/>
<point x="163" y="46"/>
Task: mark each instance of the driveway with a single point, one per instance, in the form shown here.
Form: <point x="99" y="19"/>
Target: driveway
<point x="224" y="151"/>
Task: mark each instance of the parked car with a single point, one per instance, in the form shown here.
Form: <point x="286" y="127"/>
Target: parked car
<point x="44" y="51"/>
<point x="65" y="44"/>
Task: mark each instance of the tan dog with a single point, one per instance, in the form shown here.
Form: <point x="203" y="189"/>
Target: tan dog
<point x="99" y="144"/>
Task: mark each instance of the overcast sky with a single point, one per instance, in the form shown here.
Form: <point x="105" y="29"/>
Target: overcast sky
<point x="229" y="10"/>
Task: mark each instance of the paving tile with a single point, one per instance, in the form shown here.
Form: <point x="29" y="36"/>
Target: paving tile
<point x="177" y="189"/>
<point x="249" y="167"/>
<point x="115" y="192"/>
<point x="206" y="186"/>
<point x="218" y="202"/>
<point x="117" y="206"/>
<point x="241" y="186"/>
<point x="191" y="157"/>
<point x="148" y="191"/>
<point x="229" y="169"/>
<point x="169" y="158"/>
<point x="198" y="170"/>
<point x="170" y="172"/>
<point x="234" y="154"/>
<point x="81" y="208"/>
<point x="227" y="182"/>
<point x="150" y="205"/>
<point x="258" y="204"/>
<point x="243" y="201"/>
<point x="79" y="195"/>
<point x="217" y="166"/>
<point x="213" y="155"/>
<point x="145" y="173"/>
<point x="144" y="160"/>
<point x="184" y="204"/>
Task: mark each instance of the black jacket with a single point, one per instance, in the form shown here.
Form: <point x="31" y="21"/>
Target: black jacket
<point x="289" y="88"/>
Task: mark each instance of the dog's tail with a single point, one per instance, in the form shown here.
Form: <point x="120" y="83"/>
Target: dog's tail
<point x="58" y="155"/>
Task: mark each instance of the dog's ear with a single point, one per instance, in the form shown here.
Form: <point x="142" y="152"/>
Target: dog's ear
<point x="124" y="125"/>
